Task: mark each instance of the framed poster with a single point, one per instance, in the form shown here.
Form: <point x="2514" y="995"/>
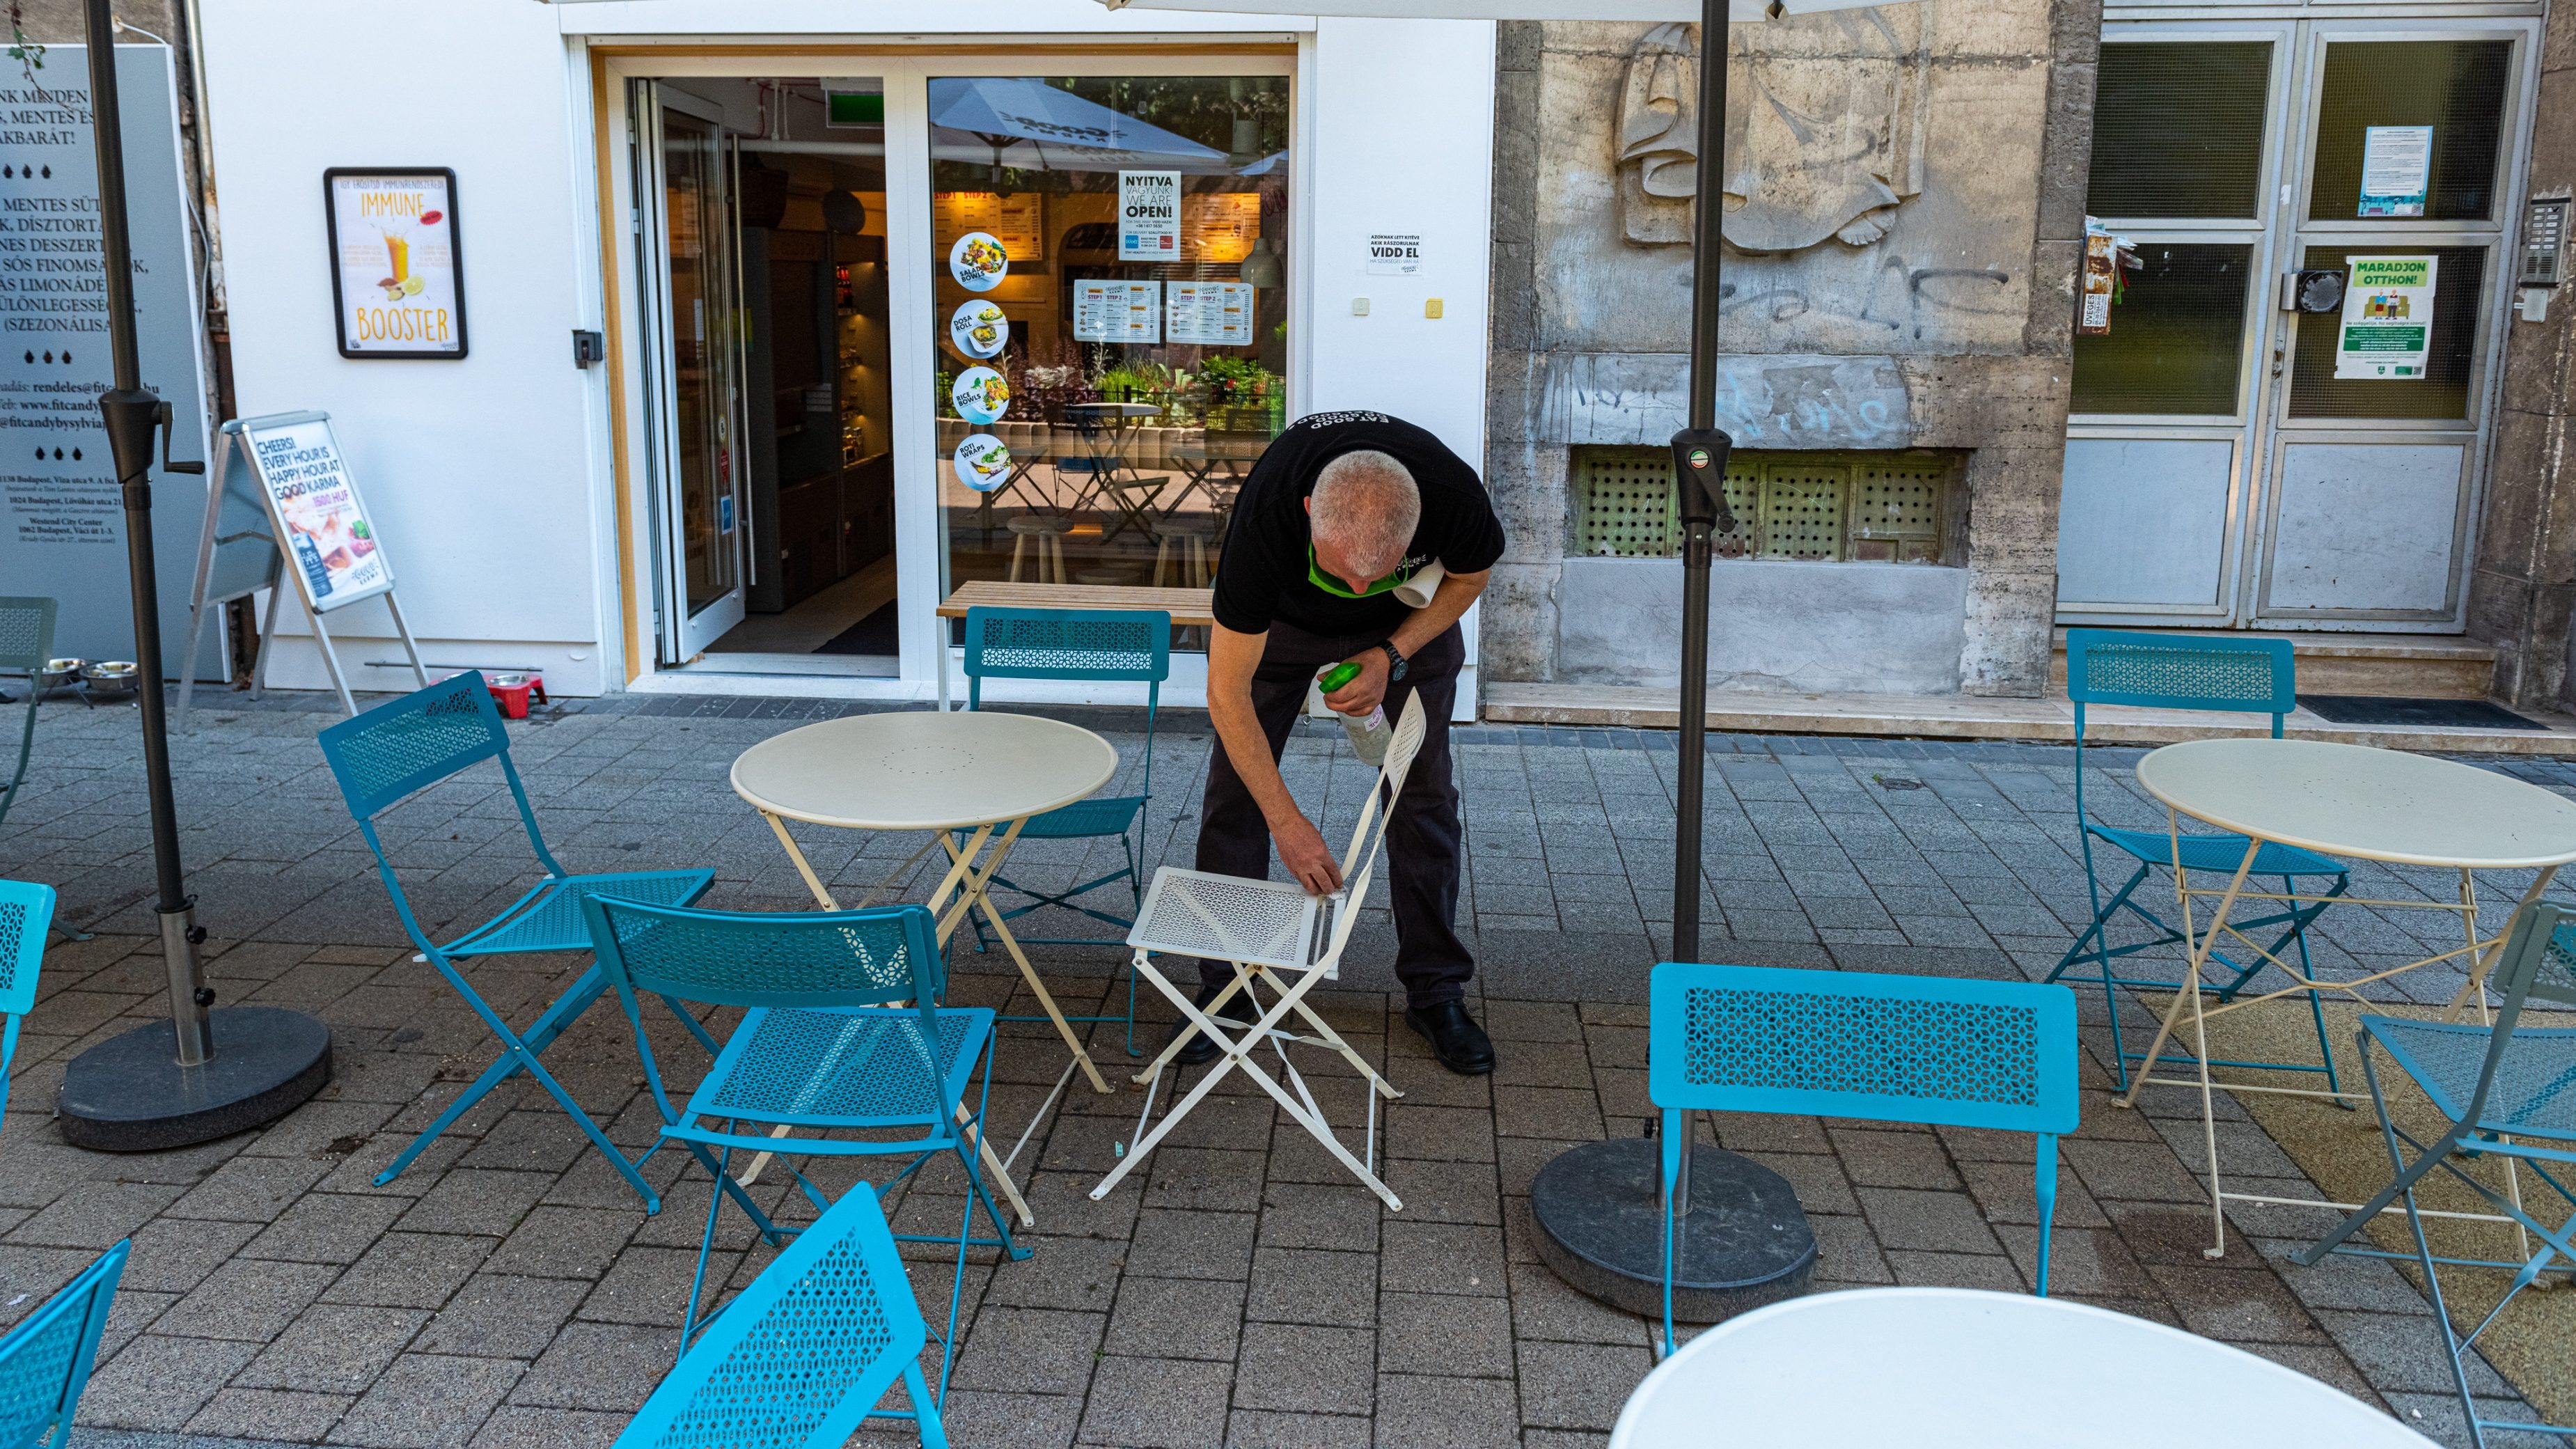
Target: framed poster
<point x="330" y="545"/>
<point x="397" y="272"/>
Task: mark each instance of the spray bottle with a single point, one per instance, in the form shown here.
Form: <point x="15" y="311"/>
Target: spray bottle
<point x="1368" y="732"/>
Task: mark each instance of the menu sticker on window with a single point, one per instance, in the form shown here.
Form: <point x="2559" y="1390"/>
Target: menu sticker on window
<point x="979" y="329"/>
<point x="1149" y="216"/>
<point x="979" y="261"/>
<point x="980" y="395"/>
<point x="1394" y="254"/>
<point x="1212" y="314"/>
<point x="983" y="462"/>
<point x="2396" y="170"/>
<point x="1109" y="310"/>
<point x="2387" y="319"/>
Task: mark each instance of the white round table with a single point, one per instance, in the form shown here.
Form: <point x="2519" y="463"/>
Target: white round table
<point x="982" y="772"/>
<point x="1955" y="1368"/>
<point x="2360" y="803"/>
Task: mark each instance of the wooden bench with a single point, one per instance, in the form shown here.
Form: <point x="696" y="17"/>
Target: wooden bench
<point x="1186" y="606"/>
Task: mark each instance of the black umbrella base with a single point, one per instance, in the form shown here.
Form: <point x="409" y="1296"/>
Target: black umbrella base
<point x="1744" y="1243"/>
<point x="127" y="1094"/>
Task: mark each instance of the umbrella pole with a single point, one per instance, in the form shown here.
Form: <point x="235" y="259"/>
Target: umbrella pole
<point x="156" y="1087"/>
<point x="1740" y="1239"/>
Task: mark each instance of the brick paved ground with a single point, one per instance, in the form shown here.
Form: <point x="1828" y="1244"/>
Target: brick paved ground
<point x="508" y="1290"/>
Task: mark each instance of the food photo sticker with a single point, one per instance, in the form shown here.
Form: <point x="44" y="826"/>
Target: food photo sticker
<point x="983" y="461"/>
<point x="980" y="395"/>
<point x="979" y="261"/>
<point x="979" y="329"/>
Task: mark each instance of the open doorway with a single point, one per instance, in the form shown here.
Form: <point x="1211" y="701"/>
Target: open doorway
<point x="765" y="254"/>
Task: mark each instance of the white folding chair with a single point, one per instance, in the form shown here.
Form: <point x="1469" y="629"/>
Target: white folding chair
<point x="1268" y="931"/>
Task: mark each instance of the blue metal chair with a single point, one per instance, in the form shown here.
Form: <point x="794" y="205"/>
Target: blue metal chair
<point x="801" y="1357"/>
<point x="25" y="910"/>
<point x="841" y="1031"/>
<point x="397" y="749"/>
<point x="1877" y="1048"/>
<point x="26" y="642"/>
<point x="1079" y="644"/>
<point x="2502" y="1091"/>
<point x="45" y="1361"/>
<point x="2184" y="671"/>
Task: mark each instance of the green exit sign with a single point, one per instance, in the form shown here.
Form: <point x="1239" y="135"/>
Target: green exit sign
<point x="854" y="108"/>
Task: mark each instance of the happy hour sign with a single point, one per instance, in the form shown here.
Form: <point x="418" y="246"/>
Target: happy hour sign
<point x="396" y="281"/>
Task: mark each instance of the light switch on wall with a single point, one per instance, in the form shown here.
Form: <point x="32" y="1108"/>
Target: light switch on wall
<point x="1432" y="308"/>
<point x="1359" y="306"/>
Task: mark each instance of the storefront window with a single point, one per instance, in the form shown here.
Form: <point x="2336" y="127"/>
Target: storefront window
<point x="1110" y="319"/>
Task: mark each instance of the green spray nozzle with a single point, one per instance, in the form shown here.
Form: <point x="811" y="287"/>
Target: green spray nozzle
<point x="1337" y="676"/>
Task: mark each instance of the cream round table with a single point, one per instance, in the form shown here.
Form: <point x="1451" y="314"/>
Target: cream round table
<point x="2359" y="803"/>
<point x="981" y="772"/>
<point x="1955" y="1368"/>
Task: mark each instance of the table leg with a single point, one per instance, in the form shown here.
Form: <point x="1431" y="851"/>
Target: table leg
<point x="973" y="892"/>
<point x="813" y="882"/>
<point x="2485" y="963"/>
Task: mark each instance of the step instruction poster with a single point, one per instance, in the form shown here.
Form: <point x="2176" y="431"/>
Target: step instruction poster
<point x="1212" y="314"/>
<point x="62" y="520"/>
<point x="2387" y="319"/>
<point x="1108" y="310"/>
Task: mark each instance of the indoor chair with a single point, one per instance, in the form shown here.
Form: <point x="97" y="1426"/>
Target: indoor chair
<point x="841" y="1031"/>
<point x="45" y="1360"/>
<point x="1080" y="645"/>
<point x="2496" y="1088"/>
<point x="2183" y="671"/>
<point x="397" y="749"/>
<point x="1264" y="928"/>
<point x="798" y="1359"/>
<point x="25" y="910"/>
<point x="26" y="642"/>
<point x="1866" y="1046"/>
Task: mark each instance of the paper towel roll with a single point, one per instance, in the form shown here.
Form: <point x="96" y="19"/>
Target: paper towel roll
<point x="1417" y="590"/>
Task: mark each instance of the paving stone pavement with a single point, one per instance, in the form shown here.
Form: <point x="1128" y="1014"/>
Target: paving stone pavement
<point x="508" y="1289"/>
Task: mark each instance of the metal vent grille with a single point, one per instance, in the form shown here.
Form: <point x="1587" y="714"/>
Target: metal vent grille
<point x="1859" y="507"/>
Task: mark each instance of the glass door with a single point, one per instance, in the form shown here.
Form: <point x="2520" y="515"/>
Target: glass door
<point x="690" y="250"/>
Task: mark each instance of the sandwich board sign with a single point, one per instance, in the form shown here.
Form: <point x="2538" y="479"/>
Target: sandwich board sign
<point x="319" y="527"/>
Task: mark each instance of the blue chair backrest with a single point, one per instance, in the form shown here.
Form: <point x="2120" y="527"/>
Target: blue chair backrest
<point x="45" y="1361"/>
<point x="1884" y="1048"/>
<point x="2180" y="671"/>
<point x="26" y="633"/>
<point x="769" y="958"/>
<point x="416" y="741"/>
<point x="1134" y="644"/>
<point x="800" y="1356"/>
<point x="26" y="909"/>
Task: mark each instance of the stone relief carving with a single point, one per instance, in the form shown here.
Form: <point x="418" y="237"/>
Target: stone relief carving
<point x="1824" y="128"/>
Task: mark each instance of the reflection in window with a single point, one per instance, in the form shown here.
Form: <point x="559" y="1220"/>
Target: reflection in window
<point x="2177" y="335"/>
<point x="2178" y="129"/>
<point x="1111" y="319"/>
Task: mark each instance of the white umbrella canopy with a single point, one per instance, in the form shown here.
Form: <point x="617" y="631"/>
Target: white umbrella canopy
<point x="1024" y="122"/>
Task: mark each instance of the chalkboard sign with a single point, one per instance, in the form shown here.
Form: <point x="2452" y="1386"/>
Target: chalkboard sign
<point x="331" y="547"/>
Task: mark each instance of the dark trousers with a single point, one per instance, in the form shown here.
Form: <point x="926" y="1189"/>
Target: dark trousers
<point x="1422" y="834"/>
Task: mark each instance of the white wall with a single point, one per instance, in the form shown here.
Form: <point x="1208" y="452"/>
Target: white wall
<point x="478" y="472"/>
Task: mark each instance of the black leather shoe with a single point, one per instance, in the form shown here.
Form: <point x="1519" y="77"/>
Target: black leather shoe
<point x="1198" y="1051"/>
<point x="1456" y="1040"/>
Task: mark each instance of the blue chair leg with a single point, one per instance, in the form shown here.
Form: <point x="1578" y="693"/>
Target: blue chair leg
<point x="2099" y="935"/>
<point x="1676" y="1133"/>
<point x="690" y="1323"/>
<point x="934" y="1434"/>
<point x="2043" y="1191"/>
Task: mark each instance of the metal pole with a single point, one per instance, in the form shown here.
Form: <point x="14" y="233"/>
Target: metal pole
<point x="133" y="414"/>
<point x="1699" y="473"/>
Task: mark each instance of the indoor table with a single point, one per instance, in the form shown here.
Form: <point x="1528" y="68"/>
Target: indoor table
<point x="981" y="773"/>
<point x="2355" y="802"/>
<point x="1959" y="1368"/>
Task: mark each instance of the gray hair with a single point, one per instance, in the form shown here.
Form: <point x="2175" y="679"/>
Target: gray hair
<point x="1367" y="506"/>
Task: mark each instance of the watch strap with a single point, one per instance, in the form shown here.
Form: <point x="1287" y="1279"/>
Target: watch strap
<point x="1395" y="660"/>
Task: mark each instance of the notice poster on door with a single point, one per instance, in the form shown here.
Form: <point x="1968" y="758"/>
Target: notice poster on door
<point x="1212" y="314"/>
<point x="1149" y="216"/>
<point x="1107" y="310"/>
<point x="2387" y="319"/>
<point x="1394" y="254"/>
<point x="2396" y="170"/>
<point x="396" y="279"/>
<point x="315" y="505"/>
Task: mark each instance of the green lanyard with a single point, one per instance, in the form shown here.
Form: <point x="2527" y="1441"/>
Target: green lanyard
<point x="1315" y="575"/>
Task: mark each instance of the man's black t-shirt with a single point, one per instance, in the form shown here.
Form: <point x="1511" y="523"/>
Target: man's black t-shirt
<point x="1261" y="576"/>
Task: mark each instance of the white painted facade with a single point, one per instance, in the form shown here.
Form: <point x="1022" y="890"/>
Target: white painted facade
<point x="498" y="481"/>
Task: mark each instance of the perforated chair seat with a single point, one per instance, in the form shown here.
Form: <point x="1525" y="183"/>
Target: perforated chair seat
<point x="2535" y="1084"/>
<point x="1085" y="818"/>
<point x="549" y="918"/>
<point x="2215" y="852"/>
<point x="1230" y="918"/>
<point x="845" y="1067"/>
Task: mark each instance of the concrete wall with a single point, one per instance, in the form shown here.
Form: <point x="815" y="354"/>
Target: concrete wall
<point x="1918" y="297"/>
<point x="1774" y="627"/>
<point x="2523" y="586"/>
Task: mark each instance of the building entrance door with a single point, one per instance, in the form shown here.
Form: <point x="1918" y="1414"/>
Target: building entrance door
<point x="687" y="233"/>
<point x="2232" y="461"/>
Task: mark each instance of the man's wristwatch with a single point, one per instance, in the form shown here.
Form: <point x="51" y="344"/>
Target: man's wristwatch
<point x="1395" y="662"/>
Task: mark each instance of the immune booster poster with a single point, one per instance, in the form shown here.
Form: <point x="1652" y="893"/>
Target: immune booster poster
<point x="394" y="242"/>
